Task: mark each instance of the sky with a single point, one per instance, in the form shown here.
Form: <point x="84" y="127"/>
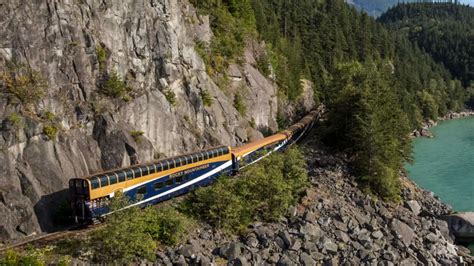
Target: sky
<point x="469" y="2"/>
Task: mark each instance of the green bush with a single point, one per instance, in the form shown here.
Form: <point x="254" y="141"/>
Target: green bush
<point x="101" y="56"/>
<point x="133" y="233"/>
<point x="23" y="83"/>
<point x="239" y="104"/>
<point x="48" y="115"/>
<point x="114" y="86"/>
<point x="51" y="131"/>
<point x="206" y="98"/>
<point x="261" y="192"/>
<point x="31" y="256"/>
<point x="232" y="23"/>
<point x="171" y="97"/>
<point x="136" y="135"/>
<point x="15" y="119"/>
<point x="220" y="205"/>
<point x="263" y="63"/>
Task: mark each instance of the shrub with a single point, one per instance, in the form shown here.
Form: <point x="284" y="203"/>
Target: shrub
<point x="11" y="257"/>
<point x="262" y="192"/>
<point x="263" y="64"/>
<point x="15" y="119"/>
<point x="51" y="131"/>
<point x="239" y="104"/>
<point x="48" y="115"/>
<point x="136" y="135"/>
<point x="171" y="97"/>
<point x="166" y="225"/>
<point x="101" y="56"/>
<point x="133" y="233"/>
<point x="206" y="98"/>
<point x="114" y="86"/>
<point x="23" y="83"/>
<point x="220" y="205"/>
<point x="123" y="239"/>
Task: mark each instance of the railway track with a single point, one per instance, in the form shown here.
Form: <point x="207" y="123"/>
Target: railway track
<point x="44" y="240"/>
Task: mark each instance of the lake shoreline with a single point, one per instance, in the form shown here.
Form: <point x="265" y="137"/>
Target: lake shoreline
<point x="424" y="130"/>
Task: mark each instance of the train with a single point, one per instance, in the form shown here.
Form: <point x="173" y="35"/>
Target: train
<point x="150" y="183"/>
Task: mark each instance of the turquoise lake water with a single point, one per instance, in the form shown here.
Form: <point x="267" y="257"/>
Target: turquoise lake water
<point x="445" y="163"/>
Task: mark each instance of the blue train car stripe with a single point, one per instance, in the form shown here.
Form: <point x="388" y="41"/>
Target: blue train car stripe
<point x="266" y="155"/>
<point x="191" y="182"/>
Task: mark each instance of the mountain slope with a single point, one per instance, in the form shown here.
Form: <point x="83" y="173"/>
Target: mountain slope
<point x="377" y="7"/>
<point x="446" y="31"/>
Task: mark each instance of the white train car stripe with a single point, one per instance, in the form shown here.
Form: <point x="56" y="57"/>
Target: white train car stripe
<point x="204" y="176"/>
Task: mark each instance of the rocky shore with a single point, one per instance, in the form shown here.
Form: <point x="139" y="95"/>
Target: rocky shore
<point x="424" y="131"/>
<point x="335" y="223"/>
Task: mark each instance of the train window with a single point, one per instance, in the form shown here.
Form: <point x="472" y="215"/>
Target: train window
<point x="129" y="174"/>
<point x="104" y="181"/>
<point x="170" y="182"/>
<point x="179" y="179"/>
<point x="95" y="183"/>
<point x="113" y="179"/>
<point x="141" y="190"/>
<point x="226" y="150"/>
<point x="177" y="162"/>
<point x="171" y="163"/>
<point x="151" y="169"/>
<point x="165" y="165"/>
<point x="189" y="159"/>
<point x="195" y="158"/>
<point x="158" y="185"/>
<point x="200" y="156"/>
<point x="79" y="187"/>
<point x="138" y="172"/>
<point x="145" y="170"/>
<point x="121" y="176"/>
<point x="158" y="167"/>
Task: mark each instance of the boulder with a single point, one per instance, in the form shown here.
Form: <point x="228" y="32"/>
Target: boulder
<point x="413" y="206"/>
<point x="285" y="236"/>
<point x="312" y="230"/>
<point x="342" y="236"/>
<point x="306" y="259"/>
<point x="402" y="231"/>
<point x="241" y="261"/>
<point x="377" y="234"/>
<point x="285" y="261"/>
<point x="330" y="247"/>
<point x="230" y="251"/>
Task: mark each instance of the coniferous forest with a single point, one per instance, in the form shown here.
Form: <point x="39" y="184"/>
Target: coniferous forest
<point x="444" y="30"/>
<point x="376" y="82"/>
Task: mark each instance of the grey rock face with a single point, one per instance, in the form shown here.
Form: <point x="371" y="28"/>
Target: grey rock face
<point x="150" y="44"/>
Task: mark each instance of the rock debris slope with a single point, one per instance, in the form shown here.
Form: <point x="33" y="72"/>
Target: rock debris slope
<point x="335" y="224"/>
<point x="75" y="46"/>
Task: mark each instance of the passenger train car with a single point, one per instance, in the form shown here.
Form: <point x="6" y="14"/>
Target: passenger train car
<point x="150" y="183"/>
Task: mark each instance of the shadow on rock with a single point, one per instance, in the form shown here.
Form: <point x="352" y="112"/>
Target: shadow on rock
<point x="54" y="212"/>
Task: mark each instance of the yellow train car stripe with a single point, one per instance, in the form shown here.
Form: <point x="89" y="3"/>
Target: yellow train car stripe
<point x="242" y="150"/>
<point x="107" y="190"/>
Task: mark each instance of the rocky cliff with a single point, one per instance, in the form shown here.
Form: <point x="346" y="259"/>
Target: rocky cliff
<point x="77" y="50"/>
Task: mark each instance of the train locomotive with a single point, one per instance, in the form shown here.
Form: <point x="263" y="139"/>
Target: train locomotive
<point x="150" y="183"/>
